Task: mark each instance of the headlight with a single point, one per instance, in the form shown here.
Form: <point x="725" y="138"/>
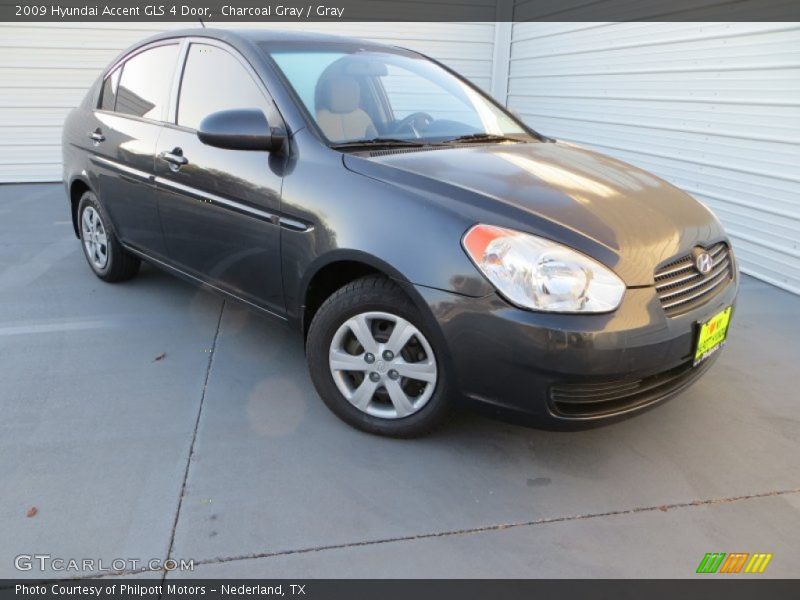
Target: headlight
<point x="539" y="274"/>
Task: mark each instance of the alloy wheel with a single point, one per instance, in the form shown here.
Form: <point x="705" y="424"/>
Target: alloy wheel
<point x="383" y="365"/>
<point x="95" y="239"/>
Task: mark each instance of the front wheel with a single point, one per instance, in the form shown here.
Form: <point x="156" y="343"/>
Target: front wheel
<point x="374" y="364"/>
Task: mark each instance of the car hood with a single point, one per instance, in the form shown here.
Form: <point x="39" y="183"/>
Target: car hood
<point x="623" y="216"/>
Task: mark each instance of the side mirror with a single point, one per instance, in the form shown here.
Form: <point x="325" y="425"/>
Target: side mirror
<point x="240" y="129"/>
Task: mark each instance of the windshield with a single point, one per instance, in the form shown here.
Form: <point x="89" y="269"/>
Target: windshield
<point x="356" y="94"/>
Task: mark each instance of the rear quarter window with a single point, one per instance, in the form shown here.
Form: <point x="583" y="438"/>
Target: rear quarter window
<point x="108" y="95"/>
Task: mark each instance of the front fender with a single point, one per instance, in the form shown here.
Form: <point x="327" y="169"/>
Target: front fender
<point x="410" y="234"/>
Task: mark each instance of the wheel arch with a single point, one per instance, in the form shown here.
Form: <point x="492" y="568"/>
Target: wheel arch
<point x="77" y="188"/>
<point x="337" y="269"/>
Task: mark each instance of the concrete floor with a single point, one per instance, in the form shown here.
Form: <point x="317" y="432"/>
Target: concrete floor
<point x="221" y="452"/>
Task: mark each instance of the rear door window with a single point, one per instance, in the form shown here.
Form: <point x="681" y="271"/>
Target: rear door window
<point x="146" y="81"/>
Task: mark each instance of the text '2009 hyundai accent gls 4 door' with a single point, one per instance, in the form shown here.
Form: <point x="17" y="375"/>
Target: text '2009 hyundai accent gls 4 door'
<point x="431" y="248"/>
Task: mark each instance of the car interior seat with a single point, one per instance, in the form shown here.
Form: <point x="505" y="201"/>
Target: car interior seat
<point x="339" y="112"/>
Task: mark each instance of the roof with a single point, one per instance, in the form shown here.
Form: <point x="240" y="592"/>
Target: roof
<point x="265" y="35"/>
<point x="245" y="40"/>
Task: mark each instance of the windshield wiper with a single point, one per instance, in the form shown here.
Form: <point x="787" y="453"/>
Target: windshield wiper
<point x="378" y="142"/>
<point x="482" y="137"/>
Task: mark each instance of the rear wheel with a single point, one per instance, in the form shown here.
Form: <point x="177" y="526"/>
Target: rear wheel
<point x="105" y="255"/>
<point x="374" y="364"/>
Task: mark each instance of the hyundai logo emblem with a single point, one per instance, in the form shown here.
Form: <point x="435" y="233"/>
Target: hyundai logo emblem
<point x="704" y="262"/>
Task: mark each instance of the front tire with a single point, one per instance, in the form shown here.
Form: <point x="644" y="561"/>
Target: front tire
<point x="374" y="363"/>
<point x="105" y="255"/>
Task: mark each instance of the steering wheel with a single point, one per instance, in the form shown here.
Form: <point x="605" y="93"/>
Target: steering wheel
<point x="414" y="122"/>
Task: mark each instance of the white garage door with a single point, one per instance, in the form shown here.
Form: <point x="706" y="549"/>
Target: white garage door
<point x="713" y="108"/>
<point x="45" y="70"/>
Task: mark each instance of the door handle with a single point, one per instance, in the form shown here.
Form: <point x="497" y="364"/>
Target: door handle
<point x="175" y="158"/>
<point x="97" y="136"/>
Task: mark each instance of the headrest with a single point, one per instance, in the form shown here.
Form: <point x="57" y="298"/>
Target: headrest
<point x="341" y="94"/>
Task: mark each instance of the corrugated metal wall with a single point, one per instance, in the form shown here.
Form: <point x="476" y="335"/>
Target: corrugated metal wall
<point x="46" y="68"/>
<point x="711" y="107"/>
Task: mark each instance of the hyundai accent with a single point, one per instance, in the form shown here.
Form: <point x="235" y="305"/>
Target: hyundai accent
<point x="432" y="249"/>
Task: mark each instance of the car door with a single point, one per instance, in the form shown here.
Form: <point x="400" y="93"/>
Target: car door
<point x="132" y="106"/>
<point x="219" y="207"/>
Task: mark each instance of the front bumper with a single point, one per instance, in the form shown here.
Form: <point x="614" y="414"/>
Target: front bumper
<point x="525" y="364"/>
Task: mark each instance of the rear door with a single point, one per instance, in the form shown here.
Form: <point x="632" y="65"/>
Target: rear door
<point x="219" y="210"/>
<point x="132" y="106"/>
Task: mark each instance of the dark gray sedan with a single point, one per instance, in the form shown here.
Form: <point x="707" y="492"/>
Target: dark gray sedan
<point x="432" y="249"/>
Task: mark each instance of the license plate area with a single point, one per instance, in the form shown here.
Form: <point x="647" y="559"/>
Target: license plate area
<point x="712" y="335"/>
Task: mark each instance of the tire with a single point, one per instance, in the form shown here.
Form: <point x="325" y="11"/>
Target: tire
<point x="105" y="255"/>
<point x="377" y="306"/>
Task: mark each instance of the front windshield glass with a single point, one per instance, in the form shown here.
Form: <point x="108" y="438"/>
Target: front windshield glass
<point x="356" y="94"/>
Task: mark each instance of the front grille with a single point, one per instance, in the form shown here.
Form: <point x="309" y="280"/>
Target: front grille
<point x="606" y="398"/>
<point x="681" y="287"/>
